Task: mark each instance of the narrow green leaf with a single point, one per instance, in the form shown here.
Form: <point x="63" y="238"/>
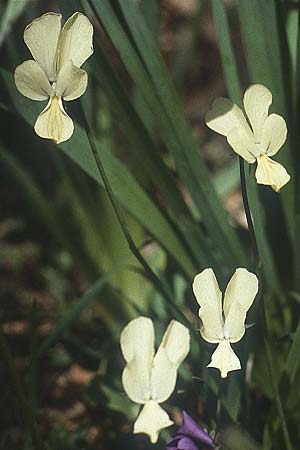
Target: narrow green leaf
<point x="293" y="359"/>
<point x="233" y="86"/>
<point x="146" y="154"/>
<point x="12" y="10"/>
<point x="267" y="64"/>
<point x="162" y="99"/>
<point x="125" y="188"/>
<point x="73" y="314"/>
<point x="226" y="51"/>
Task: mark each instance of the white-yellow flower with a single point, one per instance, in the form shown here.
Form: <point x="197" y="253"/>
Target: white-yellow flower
<point x="148" y="378"/>
<point x="267" y="136"/>
<point x="54" y="74"/>
<point x="224" y="324"/>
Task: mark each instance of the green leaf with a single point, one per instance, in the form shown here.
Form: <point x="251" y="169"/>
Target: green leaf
<point x="74" y="313"/>
<point x="268" y="64"/>
<point x="226" y="51"/>
<point x="176" y="134"/>
<point x="130" y="195"/>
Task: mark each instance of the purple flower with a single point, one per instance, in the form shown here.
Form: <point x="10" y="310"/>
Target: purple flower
<point x="190" y="436"/>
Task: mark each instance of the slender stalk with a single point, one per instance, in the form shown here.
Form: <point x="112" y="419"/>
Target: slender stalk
<point x="27" y="413"/>
<point x="254" y="246"/>
<point x="257" y="265"/>
<point x="219" y="407"/>
<point x="120" y="216"/>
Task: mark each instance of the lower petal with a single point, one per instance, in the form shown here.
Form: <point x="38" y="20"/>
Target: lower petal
<point x="224" y="358"/>
<point x="54" y="123"/>
<point x="151" y="420"/>
<point x="271" y="173"/>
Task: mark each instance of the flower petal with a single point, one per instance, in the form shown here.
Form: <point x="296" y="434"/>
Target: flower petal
<point x="32" y="82"/>
<point x="186" y="443"/>
<point x="54" y="123"/>
<point x="41" y="37"/>
<point x="271" y="173"/>
<point x="137" y="345"/>
<point x="151" y="420"/>
<point x="243" y="144"/>
<point x="75" y="41"/>
<point x="257" y="100"/>
<point x="224" y="359"/>
<point x="71" y="82"/>
<point x="173" y="349"/>
<point x="209" y="297"/>
<point x="273" y="134"/>
<point x="239" y="296"/>
<point x="224" y="116"/>
<point x="190" y="428"/>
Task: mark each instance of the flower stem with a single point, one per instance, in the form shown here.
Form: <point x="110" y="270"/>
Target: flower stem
<point x="267" y="347"/>
<point x="120" y="216"/>
<point x="219" y="407"/>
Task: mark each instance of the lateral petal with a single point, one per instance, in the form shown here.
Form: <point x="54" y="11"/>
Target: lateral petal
<point x="41" y="37"/>
<point x="209" y="297"/>
<point x="271" y="173"/>
<point x="54" y="123"/>
<point x="239" y="296"/>
<point x="151" y="420"/>
<point x="173" y="349"/>
<point x="32" y="82"/>
<point x="274" y="133"/>
<point x="224" y="116"/>
<point x="137" y="345"/>
<point x="71" y="82"/>
<point x="243" y="144"/>
<point x="75" y="41"/>
<point x="257" y="100"/>
<point x="224" y="359"/>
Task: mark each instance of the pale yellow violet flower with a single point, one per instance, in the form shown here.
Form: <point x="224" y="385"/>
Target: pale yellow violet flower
<point x="149" y="379"/>
<point x="224" y="324"/>
<point x="267" y="136"/>
<point x="55" y="72"/>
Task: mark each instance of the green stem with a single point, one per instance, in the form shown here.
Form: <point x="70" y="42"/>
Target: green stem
<point x="120" y="216"/>
<point x="219" y="407"/>
<point x="27" y="413"/>
<point x="257" y="265"/>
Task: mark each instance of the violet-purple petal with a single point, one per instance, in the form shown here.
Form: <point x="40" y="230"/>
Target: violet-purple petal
<point x="186" y="443"/>
<point x="191" y="429"/>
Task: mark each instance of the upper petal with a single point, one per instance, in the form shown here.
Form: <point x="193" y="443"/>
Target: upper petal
<point x="224" y="116"/>
<point x="54" y="123"/>
<point x="137" y="345"/>
<point x="75" y="41"/>
<point x="243" y="144"/>
<point x="224" y="359"/>
<point x="32" y="82"/>
<point x="41" y="37"/>
<point x="151" y="420"/>
<point x="271" y="173"/>
<point x="274" y="133"/>
<point x="71" y="82"/>
<point x="173" y="349"/>
<point x="257" y="100"/>
<point x="209" y="297"/>
<point x="239" y="296"/>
